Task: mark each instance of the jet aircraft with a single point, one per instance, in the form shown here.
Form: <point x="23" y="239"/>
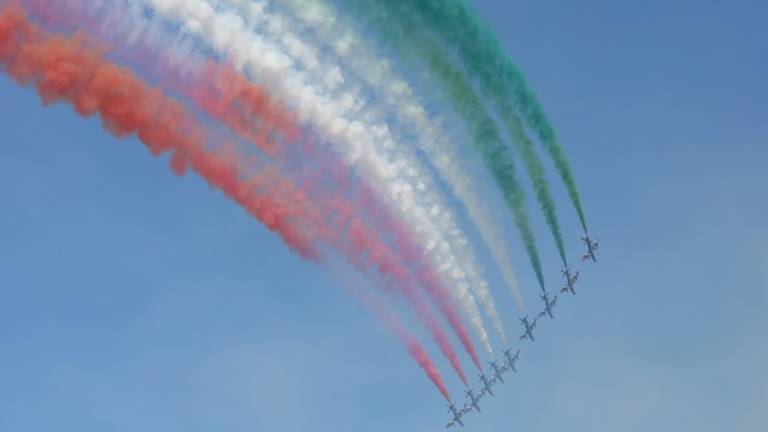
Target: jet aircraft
<point x="511" y="360"/>
<point x="591" y="248"/>
<point x="497" y="371"/>
<point x="529" y="327"/>
<point x="548" y="305"/>
<point x="474" y="399"/>
<point x="486" y="384"/>
<point x="456" y="415"/>
<point x="570" y="280"/>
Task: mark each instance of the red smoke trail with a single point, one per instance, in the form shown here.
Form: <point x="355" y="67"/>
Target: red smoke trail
<point x="248" y="110"/>
<point x="417" y="352"/>
<point x="222" y="92"/>
<point x="362" y="239"/>
<point x="425" y="272"/>
<point x="364" y="248"/>
<point x="223" y="100"/>
<point x="366" y="201"/>
<point x="237" y="102"/>
<point x="381" y="310"/>
<point x="243" y="106"/>
<point x="72" y="70"/>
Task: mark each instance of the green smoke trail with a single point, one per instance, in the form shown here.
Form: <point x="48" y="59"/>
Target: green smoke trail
<point x="405" y="35"/>
<point x="537" y="174"/>
<point x="456" y="22"/>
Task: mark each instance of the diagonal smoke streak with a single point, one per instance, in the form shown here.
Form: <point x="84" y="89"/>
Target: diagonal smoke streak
<point x="278" y="28"/>
<point x="537" y="174"/>
<point x="355" y="285"/>
<point x="235" y="101"/>
<point x="363" y="141"/>
<point x="72" y="70"/>
<point x="525" y="148"/>
<point x="405" y="35"/>
<point x="326" y="26"/>
<point x="456" y="22"/>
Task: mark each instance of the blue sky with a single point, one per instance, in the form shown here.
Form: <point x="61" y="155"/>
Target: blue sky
<point x="131" y="299"/>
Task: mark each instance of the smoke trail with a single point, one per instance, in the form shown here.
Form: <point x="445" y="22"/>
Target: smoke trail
<point x="323" y="24"/>
<point x="537" y="174"/>
<point x="361" y="239"/>
<point x="422" y="358"/>
<point x="72" y="70"/>
<point x="368" y="145"/>
<point x="458" y="253"/>
<point x="406" y="244"/>
<point x="459" y="244"/>
<point x="364" y="241"/>
<point x="456" y="22"/>
<point x="413" y="44"/>
<point x="367" y="238"/>
<point x="248" y="109"/>
<point x="355" y="286"/>
<point x="364" y="248"/>
<point x="496" y="155"/>
<point x="239" y="104"/>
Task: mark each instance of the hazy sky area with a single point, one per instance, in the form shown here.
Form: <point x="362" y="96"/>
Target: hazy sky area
<point x="133" y="300"/>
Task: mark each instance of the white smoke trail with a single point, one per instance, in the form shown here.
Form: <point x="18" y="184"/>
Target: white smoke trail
<point x="350" y="125"/>
<point x="326" y="26"/>
<point x="401" y="102"/>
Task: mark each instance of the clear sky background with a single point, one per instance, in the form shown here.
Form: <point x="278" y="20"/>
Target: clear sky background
<point x="133" y="300"/>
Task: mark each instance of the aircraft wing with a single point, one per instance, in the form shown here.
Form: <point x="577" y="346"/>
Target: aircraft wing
<point x="524" y="337"/>
<point x="541" y="314"/>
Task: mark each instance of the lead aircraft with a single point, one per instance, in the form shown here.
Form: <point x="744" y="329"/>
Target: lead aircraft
<point x="591" y="248"/>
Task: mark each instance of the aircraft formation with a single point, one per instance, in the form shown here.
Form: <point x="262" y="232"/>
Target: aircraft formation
<point x="347" y="167"/>
<point x="474" y="398"/>
<point x="488" y="382"/>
